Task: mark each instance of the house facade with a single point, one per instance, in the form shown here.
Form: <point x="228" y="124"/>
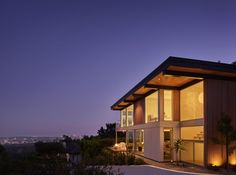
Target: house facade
<point x="182" y="98"/>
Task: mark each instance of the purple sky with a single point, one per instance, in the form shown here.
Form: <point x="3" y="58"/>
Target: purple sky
<point x="64" y="63"/>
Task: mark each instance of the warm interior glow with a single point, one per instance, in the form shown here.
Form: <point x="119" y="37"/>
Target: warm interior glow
<point x="139" y="140"/>
<point x="130" y="115"/>
<point x="168" y="105"/>
<point x="123" y="121"/>
<point x="151" y="107"/>
<point x="193" y="144"/>
<point x="192" y="133"/>
<point x="126" y="116"/>
<point x="191" y="102"/>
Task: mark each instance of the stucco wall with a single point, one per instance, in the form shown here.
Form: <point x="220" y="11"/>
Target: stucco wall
<point x="153" y="143"/>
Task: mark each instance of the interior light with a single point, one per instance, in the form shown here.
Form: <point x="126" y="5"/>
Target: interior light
<point x="200" y="98"/>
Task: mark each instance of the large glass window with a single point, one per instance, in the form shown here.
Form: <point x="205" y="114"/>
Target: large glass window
<point x="130" y="115"/>
<point x="126" y="116"/>
<point x="193" y="144"/>
<point x="168" y="105"/>
<point x="123" y="118"/>
<point x="130" y="140"/>
<point x="192" y="133"/>
<point x="151" y="107"/>
<point x="191" y="102"/>
<point x="140" y="140"/>
<point x="193" y="152"/>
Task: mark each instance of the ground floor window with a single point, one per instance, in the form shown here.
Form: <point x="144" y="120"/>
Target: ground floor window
<point x="130" y="140"/>
<point x="139" y="140"/>
<point x="167" y="143"/>
<point x="193" y="138"/>
<point x="193" y="153"/>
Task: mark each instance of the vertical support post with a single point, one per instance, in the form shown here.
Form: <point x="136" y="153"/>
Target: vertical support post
<point x="161" y="105"/>
<point x="116" y="135"/>
<point x="134" y="140"/>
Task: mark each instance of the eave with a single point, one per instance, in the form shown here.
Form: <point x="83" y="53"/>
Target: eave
<point x="176" y="73"/>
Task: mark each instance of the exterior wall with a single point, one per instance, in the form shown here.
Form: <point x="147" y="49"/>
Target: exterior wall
<point x="153" y="149"/>
<point x="176" y="105"/>
<point x="219" y="96"/>
<point x="139" y="112"/>
<point x="154" y="139"/>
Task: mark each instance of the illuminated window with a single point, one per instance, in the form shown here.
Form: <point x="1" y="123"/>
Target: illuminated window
<point x="192" y="133"/>
<point x="139" y="140"/>
<point x="130" y="115"/>
<point x="168" y="103"/>
<point x="130" y="140"/>
<point x="193" y="152"/>
<point x="191" y="102"/>
<point x="126" y="117"/>
<point x="193" y="144"/>
<point x="151" y="107"/>
<point x="123" y="118"/>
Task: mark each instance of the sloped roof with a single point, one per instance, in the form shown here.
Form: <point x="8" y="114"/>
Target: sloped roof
<point x="176" y="73"/>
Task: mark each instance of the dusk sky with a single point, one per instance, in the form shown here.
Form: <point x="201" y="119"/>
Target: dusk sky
<point x="64" y="63"/>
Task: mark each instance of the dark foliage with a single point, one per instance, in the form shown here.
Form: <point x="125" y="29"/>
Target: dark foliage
<point x="2" y="149"/>
<point x="49" y="148"/>
<point x="228" y="134"/>
<point x="108" y="132"/>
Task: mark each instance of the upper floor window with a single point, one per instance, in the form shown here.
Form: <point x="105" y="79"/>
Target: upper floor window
<point x="123" y="118"/>
<point x="151" y="107"/>
<point x="168" y="105"/>
<point x="130" y="110"/>
<point x="191" y="102"/>
<point x="126" y="116"/>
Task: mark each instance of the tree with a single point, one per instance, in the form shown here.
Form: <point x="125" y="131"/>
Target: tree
<point x="228" y="132"/>
<point x="109" y="132"/>
<point x="67" y="139"/>
<point x="178" y="146"/>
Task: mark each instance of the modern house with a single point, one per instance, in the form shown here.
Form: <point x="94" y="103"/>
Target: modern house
<point x="182" y="98"/>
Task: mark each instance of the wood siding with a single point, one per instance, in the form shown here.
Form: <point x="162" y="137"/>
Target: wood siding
<point x="219" y="96"/>
<point x="176" y="105"/>
<point x="139" y="112"/>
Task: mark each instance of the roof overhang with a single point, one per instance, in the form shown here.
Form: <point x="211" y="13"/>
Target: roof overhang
<point x="176" y="73"/>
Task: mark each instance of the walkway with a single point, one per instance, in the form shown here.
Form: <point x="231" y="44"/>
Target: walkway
<point x="151" y="170"/>
<point x="169" y="166"/>
<point x="156" y="168"/>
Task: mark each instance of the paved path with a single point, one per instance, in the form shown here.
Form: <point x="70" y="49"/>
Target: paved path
<point x="151" y="170"/>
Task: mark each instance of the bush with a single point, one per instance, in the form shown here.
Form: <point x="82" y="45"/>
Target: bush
<point x="139" y="161"/>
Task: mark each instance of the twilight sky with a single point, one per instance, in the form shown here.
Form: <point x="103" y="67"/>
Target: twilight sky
<point x="64" y="63"/>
